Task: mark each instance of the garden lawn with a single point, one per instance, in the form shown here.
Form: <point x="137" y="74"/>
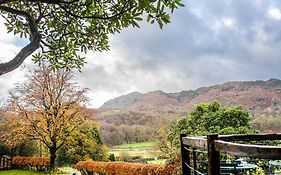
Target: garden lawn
<point x="65" y="171"/>
<point x="21" y="172"/>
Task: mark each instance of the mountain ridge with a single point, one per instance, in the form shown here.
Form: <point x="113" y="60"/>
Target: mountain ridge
<point x="252" y="95"/>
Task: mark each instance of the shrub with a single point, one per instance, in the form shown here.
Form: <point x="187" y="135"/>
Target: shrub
<point x="40" y="163"/>
<point x="112" y="157"/>
<point x="125" y="156"/>
<point x="121" y="168"/>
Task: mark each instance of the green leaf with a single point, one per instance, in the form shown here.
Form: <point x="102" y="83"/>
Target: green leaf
<point x="158" y="5"/>
<point x="179" y="3"/>
<point x="160" y="24"/>
<point x="138" y="18"/>
<point x="166" y="18"/>
<point x="148" y="18"/>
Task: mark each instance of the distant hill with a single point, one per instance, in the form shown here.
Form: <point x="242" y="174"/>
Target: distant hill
<point x="252" y="95"/>
<point x="156" y="109"/>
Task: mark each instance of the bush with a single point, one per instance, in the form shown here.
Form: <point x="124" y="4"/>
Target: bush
<point x="111" y="157"/>
<point x="40" y="163"/>
<point x="125" y="156"/>
<point x="83" y="144"/>
<point x="121" y="168"/>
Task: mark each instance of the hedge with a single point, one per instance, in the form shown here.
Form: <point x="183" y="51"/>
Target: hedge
<point x="40" y="163"/>
<point x="121" y="168"/>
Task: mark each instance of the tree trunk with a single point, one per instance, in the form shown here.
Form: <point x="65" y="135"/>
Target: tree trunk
<point x="52" y="158"/>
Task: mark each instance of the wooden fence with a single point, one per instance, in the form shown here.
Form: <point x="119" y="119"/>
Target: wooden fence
<point x="215" y="144"/>
<point x="5" y="162"/>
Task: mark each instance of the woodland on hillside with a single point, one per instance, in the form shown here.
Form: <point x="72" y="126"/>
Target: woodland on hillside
<point x="148" y="113"/>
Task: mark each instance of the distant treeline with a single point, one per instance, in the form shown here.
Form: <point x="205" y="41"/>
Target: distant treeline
<point x="129" y="126"/>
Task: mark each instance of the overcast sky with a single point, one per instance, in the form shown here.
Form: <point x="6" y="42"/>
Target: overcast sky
<point x="208" y="42"/>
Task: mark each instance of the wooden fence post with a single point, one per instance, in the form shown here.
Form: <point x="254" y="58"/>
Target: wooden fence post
<point x="213" y="155"/>
<point x="194" y="161"/>
<point x="185" y="159"/>
<point x="4" y="163"/>
<point x="10" y="163"/>
<point x="1" y="164"/>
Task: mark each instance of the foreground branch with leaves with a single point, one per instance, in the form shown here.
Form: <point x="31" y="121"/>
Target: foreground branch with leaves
<point x="63" y="28"/>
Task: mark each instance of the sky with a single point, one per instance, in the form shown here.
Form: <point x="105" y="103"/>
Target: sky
<point x="207" y="43"/>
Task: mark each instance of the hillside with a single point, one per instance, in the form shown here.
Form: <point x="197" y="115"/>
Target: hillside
<point x="150" y="111"/>
<point x="252" y="95"/>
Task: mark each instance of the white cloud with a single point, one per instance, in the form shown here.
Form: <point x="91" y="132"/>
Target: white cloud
<point x="220" y="23"/>
<point x="274" y="13"/>
<point x="228" y="22"/>
<point x="4" y="37"/>
<point x="8" y="49"/>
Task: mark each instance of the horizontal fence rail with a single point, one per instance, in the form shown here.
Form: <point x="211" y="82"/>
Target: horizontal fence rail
<point x="215" y="144"/>
<point x="248" y="150"/>
<point x="197" y="142"/>
<point x="250" y="137"/>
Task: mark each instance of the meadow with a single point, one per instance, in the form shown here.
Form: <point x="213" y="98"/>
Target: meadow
<point x="145" y="150"/>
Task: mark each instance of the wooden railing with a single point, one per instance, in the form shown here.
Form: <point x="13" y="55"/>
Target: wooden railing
<point x="214" y="144"/>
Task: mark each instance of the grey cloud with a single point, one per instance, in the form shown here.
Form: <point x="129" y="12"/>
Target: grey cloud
<point x="189" y="52"/>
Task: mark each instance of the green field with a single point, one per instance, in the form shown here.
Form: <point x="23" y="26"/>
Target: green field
<point x="159" y="161"/>
<point x="65" y="171"/>
<point x="136" y="145"/>
<point x="144" y="150"/>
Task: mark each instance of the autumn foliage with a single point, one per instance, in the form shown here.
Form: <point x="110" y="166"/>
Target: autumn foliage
<point x="48" y="107"/>
<point x="40" y="163"/>
<point x="121" y="168"/>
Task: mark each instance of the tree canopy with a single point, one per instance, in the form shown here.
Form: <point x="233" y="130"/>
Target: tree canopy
<point x="48" y="107"/>
<point x="212" y="118"/>
<point x="202" y="120"/>
<point x="83" y="144"/>
<point x="64" y="28"/>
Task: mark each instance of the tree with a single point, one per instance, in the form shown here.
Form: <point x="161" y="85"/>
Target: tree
<point x="63" y="28"/>
<point x="204" y="119"/>
<point x="46" y="108"/>
<point x="83" y="144"/>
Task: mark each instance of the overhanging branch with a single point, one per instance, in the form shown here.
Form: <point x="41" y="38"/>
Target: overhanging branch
<point x="55" y="1"/>
<point x="122" y="11"/>
<point x="34" y="44"/>
<point x="42" y="1"/>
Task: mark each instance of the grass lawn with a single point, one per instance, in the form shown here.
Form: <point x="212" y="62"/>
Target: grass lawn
<point x="65" y="171"/>
<point x="21" y="172"/>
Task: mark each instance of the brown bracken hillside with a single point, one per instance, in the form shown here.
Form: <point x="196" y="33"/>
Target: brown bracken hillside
<point x="261" y="98"/>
